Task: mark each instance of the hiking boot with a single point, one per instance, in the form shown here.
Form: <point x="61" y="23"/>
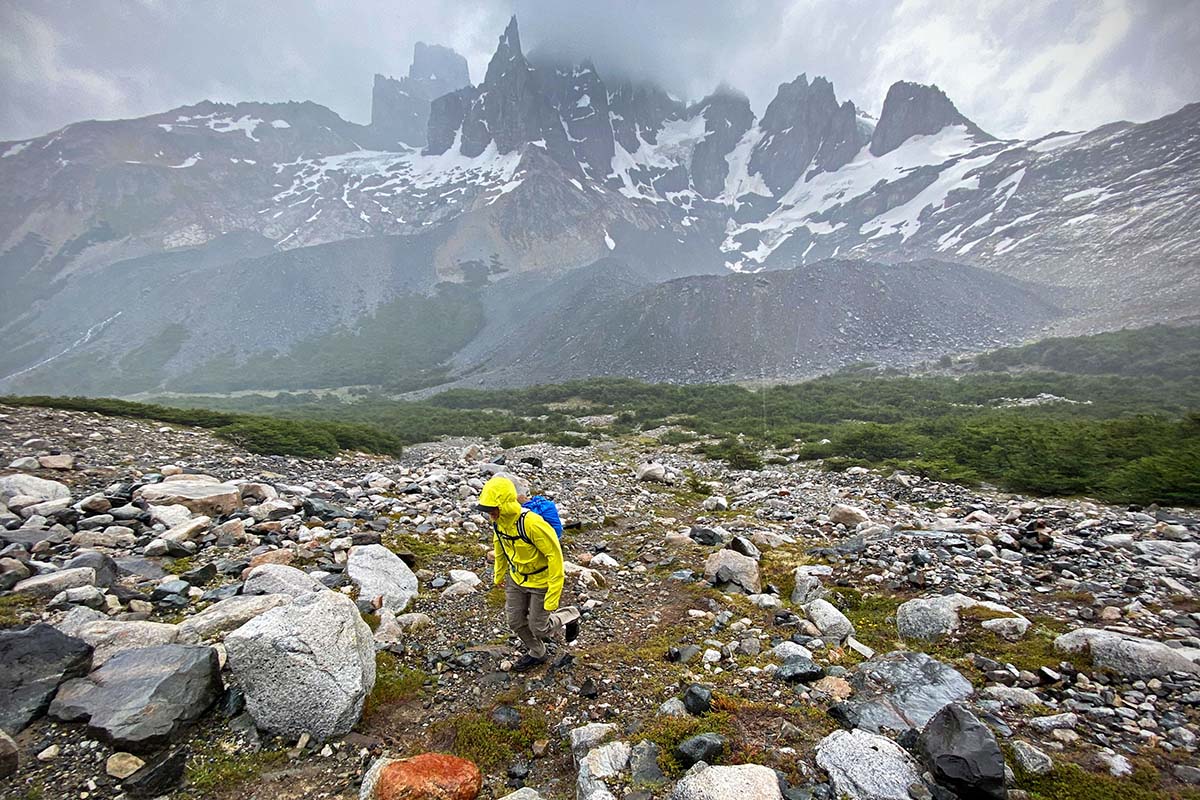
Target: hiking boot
<point x="571" y="630"/>
<point x="526" y="663"/>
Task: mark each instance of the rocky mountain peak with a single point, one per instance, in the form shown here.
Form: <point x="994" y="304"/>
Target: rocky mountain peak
<point x="911" y="109"/>
<point x="804" y="127"/>
<point x="727" y="117"/>
<point x="400" y="107"/>
<point x="508" y="53"/>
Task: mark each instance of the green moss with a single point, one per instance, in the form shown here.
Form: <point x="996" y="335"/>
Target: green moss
<point x="1033" y="650"/>
<point x="394" y="683"/>
<point x="178" y="566"/>
<point x="1072" y="782"/>
<point x="492" y="747"/>
<point x="212" y="768"/>
<point x="14" y="608"/>
<point x="429" y="549"/>
<point x="372" y="620"/>
<point x="873" y="615"/>
<point x="667" y="732"/>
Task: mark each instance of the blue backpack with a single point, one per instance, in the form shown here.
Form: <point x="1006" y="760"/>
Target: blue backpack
<point x="544" y="507"/>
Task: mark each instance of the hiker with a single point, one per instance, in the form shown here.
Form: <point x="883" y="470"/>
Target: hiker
<point x="529" y="564"/>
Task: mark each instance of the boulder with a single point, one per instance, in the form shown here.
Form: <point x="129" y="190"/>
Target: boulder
<point x="1030" y="759"/>
<point x="159" y="777"/>
<point x="280" y="579"/>
<point x="643" y="764"/>
<point x="1130" y="656"/>
<point x="963" y="754"/>
<point x="228" y="614"/>
<point x="31" y="486"/>
<point x="111" y="636"/>
<point x="732" y="571"/>
<point x="61" y="461"/>
<point x="832" y="623"/>
<point x="10" y="755"/>
<point x="50" y="584"/>
<point x="799" y="669"/>
<point x="33" y="662"/>
<point x="599" y="765"/>
<point x="866" y="766"/>
<point x="585" y="737"/>
<point x="738" y="782"/>
<point x="901" y="691"/>
<point x="849" y="516"/>
<point x="934" y="617"/>
<point x="379" y="573"/>
<point x="305" y="667"/>
<point x="139" y="699"/>
<point x="704" y="747"/>
<point x="652" y="471"/>
<point x="106" y="568"/>
<point x="211" y="499"/>
<point x="429" y="776"/>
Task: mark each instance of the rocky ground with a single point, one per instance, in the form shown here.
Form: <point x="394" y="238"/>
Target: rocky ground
<point x="185" y="619"/>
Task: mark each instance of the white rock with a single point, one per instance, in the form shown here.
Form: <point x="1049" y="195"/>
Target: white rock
<point x="738" y="782"/>
<point x="305" y="667"/>
<point x="1126" y="655"/>
<point x="50" y="584"/>
<point x="379" y="573"/>
<point x="831" y="622"/>
<point x="866" y="766"/>
<point x="228" y="614"/>
<point x="847" y="515"/>
<point x="280" y="579"/>
<point x="31" y="486"/>
<point x="652" y="471"/>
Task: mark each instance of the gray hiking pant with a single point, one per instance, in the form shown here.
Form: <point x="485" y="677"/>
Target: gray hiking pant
<point x="529" y="619"/>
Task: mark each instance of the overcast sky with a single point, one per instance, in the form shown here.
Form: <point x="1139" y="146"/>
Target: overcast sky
<point x="1017" y="67"/>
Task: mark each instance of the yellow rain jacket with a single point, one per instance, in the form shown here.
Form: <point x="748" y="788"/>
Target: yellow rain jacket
<point x="535" y="560"/>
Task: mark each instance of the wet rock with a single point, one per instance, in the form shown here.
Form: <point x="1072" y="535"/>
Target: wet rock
<point x="140" y="698"/>
<point x="902" y="690"/>
<point x="963" y="754"/>
<point x="324" y="510"/>
<point x="697" y="699"/>
<point x="865" y="766"/>
<point x="305" y="667"/>
<point x="741" y="781"/>
<point x="429" y="776"/>
<point x="799" y="669"/>
<point x="33" y="663"/>
<point x="705" y="747"/>
<point x="159" y="777"/>
<point x="381" y="574"/>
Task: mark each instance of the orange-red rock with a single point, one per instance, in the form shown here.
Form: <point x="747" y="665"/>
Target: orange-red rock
<point x="430" y="776"/>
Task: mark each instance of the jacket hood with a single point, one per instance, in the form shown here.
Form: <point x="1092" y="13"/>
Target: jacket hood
<point x="500" y="492"/>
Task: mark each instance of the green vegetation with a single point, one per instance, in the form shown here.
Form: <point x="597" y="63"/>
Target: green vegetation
<point x="15" y="607"/>
<point x="873" y="615"/>
<point x="492" y="747"/>
<point x="394" y="683"/>
<point x="1072" y="782"/>
<point x="1159" y="350"/>
<point x="667" y="732"/>
<point x="214" y="768"/>
<point x="258" y="434"/>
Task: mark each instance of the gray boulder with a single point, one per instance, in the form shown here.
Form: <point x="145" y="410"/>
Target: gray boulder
<point x="832" y="623"/>
<point x="33" y="662"/>
<point x="50" y="584"/>
<point x="379" y="573"/>
<point x="112" y="636"/>
<point x="228" y="614"/>
<point x="31" y="486"/>
<point x="963" y="754"/>
<point x="1030" y="759"/>
<point x="731" y="571"/>
<point x="1126" y="655"/>
<point x="280" y="579"/>
<point x="199" y="497"/>
<point x="141" y="698"/>
<point x="307" y="666"/>
<point x="934" y="617"/>
<point x="866" y="766"/>
<point x="741" y="781"/>
<point x="899" y="691"/>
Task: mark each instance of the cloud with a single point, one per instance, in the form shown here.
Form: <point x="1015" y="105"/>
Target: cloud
<point x="1017" y="67"/>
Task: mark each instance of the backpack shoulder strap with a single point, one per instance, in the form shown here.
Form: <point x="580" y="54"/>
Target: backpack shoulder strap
<point x="521" y="528"/>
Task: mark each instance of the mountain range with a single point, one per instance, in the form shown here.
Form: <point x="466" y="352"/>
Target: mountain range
<point x="546" y="224"/>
